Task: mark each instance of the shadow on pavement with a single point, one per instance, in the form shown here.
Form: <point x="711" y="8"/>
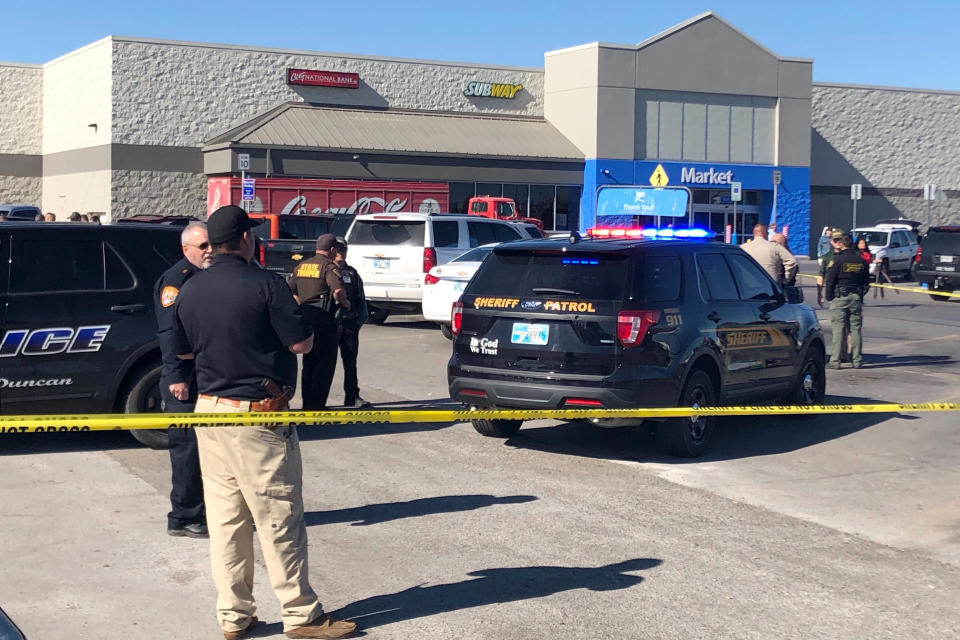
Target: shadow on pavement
<point x="386" y="511"/>
<point x="736" y="437"/>
<point x="308" y="433"/>
<point x="883" y="361"/>
<point x="491" y="586"/>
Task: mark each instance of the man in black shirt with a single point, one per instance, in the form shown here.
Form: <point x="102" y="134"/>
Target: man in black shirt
<point x="350" y="321"/>
<point x="846" y="283"/>
<point x="178" y="388"/>
<point x="242" y="327"/>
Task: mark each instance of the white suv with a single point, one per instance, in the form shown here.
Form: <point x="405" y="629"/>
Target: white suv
<point x="393" y="252"/>
<point x="893" y="245"/>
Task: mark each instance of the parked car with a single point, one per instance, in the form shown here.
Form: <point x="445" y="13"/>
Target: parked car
<point x="173" y="221"/>
<point x="893" y="247"/>
<point x="79" y="332"/>
<point x="937" y="265"/>
<point x="617" y="323"/>
<point x="443" y="285"/>
<point x="19" y="211"/>
<point x="395" y="251"/>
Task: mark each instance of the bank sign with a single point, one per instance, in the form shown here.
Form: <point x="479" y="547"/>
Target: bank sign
<point x="311" y="78"/>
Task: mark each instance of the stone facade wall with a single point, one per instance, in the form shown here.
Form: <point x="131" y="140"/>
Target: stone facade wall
<point x="14" y="189"/>
<point x="182" y="94"/>
<point x="21" y="119"/>
<point x="888" y="139"/>
<point x="158" y="192"/>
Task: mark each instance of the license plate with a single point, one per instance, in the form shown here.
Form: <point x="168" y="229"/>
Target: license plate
<point x="381" y="263"/>
<point x="458" y="286"/>
<point x="945" y="269"/>
<point x="946" y="258"/>
<point x="524" y="333"/>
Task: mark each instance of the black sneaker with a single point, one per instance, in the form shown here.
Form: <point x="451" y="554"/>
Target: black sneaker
<point x="356" y="403"/>
<point x="192" y="530"/>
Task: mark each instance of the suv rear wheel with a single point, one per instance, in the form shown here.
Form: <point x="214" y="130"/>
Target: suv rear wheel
<point x="376" y="315"/>
<point x="143" y="396"/>
<point x="690" y="437"/>
<point x="942" y="298"/>
<point x="497" y="428"/>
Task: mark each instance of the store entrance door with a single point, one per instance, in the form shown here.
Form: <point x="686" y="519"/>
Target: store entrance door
<point x="716" y="217"/>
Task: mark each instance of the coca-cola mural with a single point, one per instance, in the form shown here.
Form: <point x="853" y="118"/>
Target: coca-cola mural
<point x="295" y="196"/>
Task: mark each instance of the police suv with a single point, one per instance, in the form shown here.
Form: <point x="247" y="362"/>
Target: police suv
<point x="78" y="333"/>
<point x="571" y="323"/>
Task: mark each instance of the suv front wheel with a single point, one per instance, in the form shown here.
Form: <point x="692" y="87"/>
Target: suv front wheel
<point x="690" y="437"/>
<point x="143" y="396"/>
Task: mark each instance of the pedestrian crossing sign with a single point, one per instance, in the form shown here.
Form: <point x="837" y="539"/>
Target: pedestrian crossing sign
<point x="659" y="177"/>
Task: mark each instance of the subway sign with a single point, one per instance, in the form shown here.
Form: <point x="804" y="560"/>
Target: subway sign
<point x="491" y="90"/>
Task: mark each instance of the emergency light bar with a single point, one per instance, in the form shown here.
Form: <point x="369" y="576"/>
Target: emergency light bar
<point x="620" y="232"/>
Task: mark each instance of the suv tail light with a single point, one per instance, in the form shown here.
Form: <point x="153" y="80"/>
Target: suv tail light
<point x="456" y="318"/>
<point x="429" y="258"/>
<point x="919" y="255"/>
<point x="261" y="254"/>
<point x="430" y="279"/>
<point x="632" y="326"/>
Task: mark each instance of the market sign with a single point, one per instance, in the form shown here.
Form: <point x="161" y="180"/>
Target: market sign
<point x="491" y="90"/>
<point x="323" y="78"/>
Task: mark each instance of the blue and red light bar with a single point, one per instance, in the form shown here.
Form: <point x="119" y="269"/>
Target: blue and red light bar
<point x="649" y="232"/>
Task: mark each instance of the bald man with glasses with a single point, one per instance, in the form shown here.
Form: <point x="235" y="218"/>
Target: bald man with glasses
<point x="178" y="388"/>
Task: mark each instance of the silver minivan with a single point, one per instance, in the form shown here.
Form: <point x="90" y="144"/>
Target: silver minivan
<point x="394" y="251"/>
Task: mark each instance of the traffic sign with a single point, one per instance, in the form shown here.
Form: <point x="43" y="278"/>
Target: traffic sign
<point x="243" y="161"/>
<point x="659" y="177"/>
<point x="856" y="191"/>
<point x="249" y="185"/>
<point x="736" y="191"/>
<point x="929" y="192"/>
<point x="777" y="176"/>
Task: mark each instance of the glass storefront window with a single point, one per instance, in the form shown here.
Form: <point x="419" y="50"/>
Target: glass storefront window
<point x="541" y="204"/>
<point x="520" y="194"/>
<point x="568" y="208"/>
<point x="489" y="189"/>
<point x="460" y="194"/>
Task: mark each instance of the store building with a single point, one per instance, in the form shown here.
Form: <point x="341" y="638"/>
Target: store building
<point x="128" y="125"/>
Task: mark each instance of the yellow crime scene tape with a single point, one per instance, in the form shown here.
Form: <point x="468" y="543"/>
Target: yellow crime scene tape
<point x="932" y="292"/>
<point x="125" y="422"/>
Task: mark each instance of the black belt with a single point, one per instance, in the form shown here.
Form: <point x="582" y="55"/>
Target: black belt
<point x="847" y="292"/>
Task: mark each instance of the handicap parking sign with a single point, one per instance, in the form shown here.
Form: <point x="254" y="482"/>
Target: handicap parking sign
<point x="248" y="189"/>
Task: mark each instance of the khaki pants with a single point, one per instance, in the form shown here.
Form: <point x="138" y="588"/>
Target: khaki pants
<point x="847" y="310"/>
<point x="254" y="475"/>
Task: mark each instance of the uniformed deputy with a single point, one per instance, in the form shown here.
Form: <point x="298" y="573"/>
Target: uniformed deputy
<point x="242" y="327"/>
<point x="846" y="283"/>
<point x="178" y="388"/>
<point x="350" y="322"/>
<point x="317" y="286"/>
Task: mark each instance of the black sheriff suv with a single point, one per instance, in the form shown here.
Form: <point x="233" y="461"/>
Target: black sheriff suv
<point x="78" y="332"/>
<point x="617" y="323"/>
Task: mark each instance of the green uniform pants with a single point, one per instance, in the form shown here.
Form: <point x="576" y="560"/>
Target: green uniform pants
<point x="844" y="309"/>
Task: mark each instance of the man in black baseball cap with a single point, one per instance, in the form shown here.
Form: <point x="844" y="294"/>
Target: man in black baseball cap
<point x="228" y="223"/>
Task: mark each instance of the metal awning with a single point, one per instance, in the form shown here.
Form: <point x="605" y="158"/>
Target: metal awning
<point x="303" y="126"/>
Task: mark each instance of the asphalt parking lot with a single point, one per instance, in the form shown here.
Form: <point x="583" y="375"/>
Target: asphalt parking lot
<point x="830" y="527"/>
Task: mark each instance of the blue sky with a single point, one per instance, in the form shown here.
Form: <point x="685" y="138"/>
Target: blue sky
<point x="907" y="44"/>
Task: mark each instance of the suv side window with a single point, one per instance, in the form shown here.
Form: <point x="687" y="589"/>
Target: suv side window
<point x="905" y="239"/>
<point x="118" y="274"/>
<point x="446" y="234"/>
<point x="51" y="265"/>
<point x="661" y="278"/>
<point x="716" y="282"/>
<point x="751" y="279"/>
<point x="505" y="232"/>
<point x="481" y="233"/>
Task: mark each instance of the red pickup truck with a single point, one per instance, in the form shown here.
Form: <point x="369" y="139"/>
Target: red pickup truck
<point x="498" y="208"/>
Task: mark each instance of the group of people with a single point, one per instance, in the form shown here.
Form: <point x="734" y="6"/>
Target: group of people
<point x="843" y="280"/>
<point x="230" y="333"/>
<point x="76" y="216"/>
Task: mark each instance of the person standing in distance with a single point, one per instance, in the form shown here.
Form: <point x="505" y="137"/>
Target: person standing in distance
<point x="349" y="323"/>
<point x="846" y="283"/>
<point x="317" y="286"/>
<point x="775" y="260"/>
<point x="243" y="329"/>
<point x="178" y="388"/>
